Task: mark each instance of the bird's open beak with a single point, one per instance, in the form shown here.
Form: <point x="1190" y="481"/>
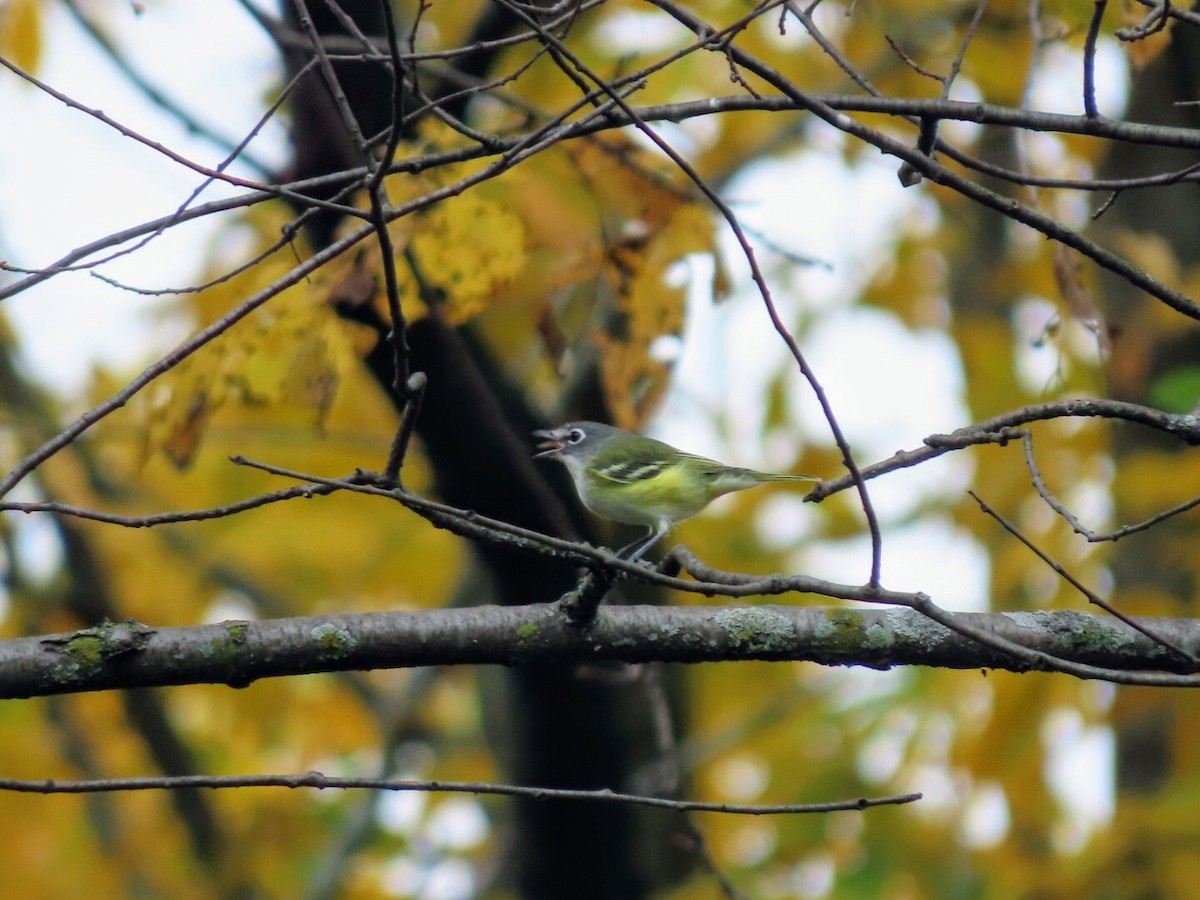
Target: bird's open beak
<point x="550" y="444"/>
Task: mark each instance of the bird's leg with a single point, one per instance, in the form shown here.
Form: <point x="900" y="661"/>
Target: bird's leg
<point x="634" y="551"/>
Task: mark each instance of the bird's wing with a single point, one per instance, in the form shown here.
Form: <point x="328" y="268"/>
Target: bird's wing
<point x="705" y="465"/>
<point x="631" y="471"/>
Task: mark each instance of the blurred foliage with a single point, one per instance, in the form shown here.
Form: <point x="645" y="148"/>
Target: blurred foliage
<point x="21" y="32"/>
<point x="573" y="259"/>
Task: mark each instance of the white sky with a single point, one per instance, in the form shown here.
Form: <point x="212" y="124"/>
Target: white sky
<point x="67" y="179"/>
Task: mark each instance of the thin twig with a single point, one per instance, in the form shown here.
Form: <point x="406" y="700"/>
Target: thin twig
<point x="380" y="207"/>
<point x="1089" y="60"/>
<point x="1006" y="427"/>
<point x="128" y="132"/>
<point x="956" y="64"/>
<point x="58" y="508"/>
<point x="414" y="393"/>
<point x="340" y="101"/>
<point x="827" y="47"/>
<point x="154" y="93"/>
<point x="311" y="205"/>
<point x="1092" y="596"/>
<point x="1094" y="537"/>
<point x="1155" y="21"/>
<point x="1104" y="128"/>
<point x="319" y="781"/>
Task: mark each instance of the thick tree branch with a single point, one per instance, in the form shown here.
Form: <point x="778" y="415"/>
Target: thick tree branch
<point x="237" y="653"/>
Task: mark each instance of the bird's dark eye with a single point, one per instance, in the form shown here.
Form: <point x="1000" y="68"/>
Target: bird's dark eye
<point x="575" y="435"/>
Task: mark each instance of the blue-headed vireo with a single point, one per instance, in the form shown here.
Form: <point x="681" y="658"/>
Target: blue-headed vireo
<point x="637" y="480"/>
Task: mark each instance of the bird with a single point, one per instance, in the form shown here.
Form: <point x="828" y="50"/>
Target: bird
<point x="627" y="477"/>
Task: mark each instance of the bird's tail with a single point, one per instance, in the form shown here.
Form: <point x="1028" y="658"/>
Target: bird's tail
<point x="776" y="476"/>
<point x="730" y="478"/>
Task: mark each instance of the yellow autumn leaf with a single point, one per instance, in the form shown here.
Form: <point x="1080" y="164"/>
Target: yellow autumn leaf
<point x="469" y="246"/>
<point x="291" y="354"/>
<point x="653" y="308"/>
<point x="21" y="32"/>
<point x="183" y="430"/>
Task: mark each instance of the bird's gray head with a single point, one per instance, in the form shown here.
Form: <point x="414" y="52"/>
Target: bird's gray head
<point x="575" y="441"/>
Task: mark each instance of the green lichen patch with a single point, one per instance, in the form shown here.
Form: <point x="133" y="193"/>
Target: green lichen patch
<point x="83" y="653"/>
<point x="841" y="628"/>
<point x="86" y="651"/>
<point x="333" y="642"/>
<point x="225" y="646"/>
<point x="757" y="630"/>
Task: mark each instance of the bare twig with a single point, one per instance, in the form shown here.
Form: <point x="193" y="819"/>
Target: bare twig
<point x="380" y="207"/>
<point x="956" y="64"/>
<point x="1089" y="60"/>
<point x="1004" y="428"/>
<point x="1101" y="127"/>
<point x="1155" y="21"/>
<point x="414" y="392"/>
<point x="1071" y="519"/>
<point x="318" y="781"/>
<point x="157" y="96"/>
<point x="349" y="120"/>
<point x="156" y="146"/>
<point x="1092" y="596"/>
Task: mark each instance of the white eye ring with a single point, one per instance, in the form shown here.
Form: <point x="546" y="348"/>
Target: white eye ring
<point x="575" y="435"/>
